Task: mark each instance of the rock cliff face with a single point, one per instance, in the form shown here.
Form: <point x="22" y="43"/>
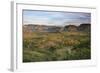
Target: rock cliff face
<point x="70" y="28"/>
<point x="41" y="28"/>
<point x="45" y="28"/>
<point x="84" y="27"/>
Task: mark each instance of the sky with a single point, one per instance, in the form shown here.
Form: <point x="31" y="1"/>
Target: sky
<point x="55" y="18"/>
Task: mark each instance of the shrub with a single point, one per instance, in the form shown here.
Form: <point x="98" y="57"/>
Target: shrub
<point x="56" y="46"/>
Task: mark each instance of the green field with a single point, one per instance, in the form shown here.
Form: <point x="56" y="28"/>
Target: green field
<point x="50" y="46"/>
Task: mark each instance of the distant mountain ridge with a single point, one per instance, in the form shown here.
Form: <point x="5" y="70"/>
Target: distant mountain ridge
<point x="47" y="28"/>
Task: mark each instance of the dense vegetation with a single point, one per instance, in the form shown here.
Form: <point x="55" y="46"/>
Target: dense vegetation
<point x="49" y="46"/>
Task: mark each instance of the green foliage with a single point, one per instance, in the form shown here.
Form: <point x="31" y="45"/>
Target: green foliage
<point x="56" y="46"/>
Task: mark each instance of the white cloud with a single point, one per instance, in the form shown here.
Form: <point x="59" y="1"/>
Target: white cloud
<point x="55" y="18"/>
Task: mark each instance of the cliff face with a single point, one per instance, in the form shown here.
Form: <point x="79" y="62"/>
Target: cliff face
<point x="45" y="28"/>
<point x="70" y="28"/>
<point x="41" y="28"/>
<point x="84" y="27"/>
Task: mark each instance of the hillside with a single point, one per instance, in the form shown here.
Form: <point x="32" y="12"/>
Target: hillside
<point x="45" y="28"/>
<point x="55" y="43"/>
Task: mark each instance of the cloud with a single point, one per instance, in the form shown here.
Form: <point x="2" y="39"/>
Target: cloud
<point x="55" y="18"/>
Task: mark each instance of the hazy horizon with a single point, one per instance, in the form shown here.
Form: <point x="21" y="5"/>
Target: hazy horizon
<point x="52" y="18"/>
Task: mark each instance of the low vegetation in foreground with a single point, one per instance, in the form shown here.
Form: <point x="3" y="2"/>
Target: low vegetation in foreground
<point x="51" y="46"/>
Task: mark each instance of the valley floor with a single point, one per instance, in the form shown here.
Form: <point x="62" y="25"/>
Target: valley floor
<point x="49" y="46"/>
